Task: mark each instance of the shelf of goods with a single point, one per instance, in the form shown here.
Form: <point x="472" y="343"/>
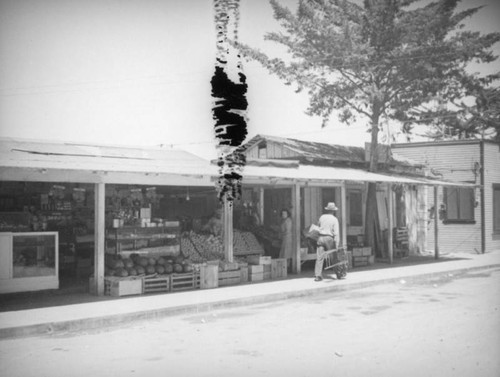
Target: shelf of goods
<point x="161" y="240"/>
<point x="29" y="261"/>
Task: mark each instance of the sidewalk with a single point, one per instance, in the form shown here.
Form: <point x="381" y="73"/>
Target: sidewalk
<point x="105" y="312"/>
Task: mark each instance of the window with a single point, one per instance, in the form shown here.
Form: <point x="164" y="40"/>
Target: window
<point x="459" y="205"/>
<point x="496" y="208"/>
<point x="355" y="208"/>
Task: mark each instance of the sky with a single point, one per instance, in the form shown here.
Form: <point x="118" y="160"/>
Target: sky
<point x="137" y="73"/>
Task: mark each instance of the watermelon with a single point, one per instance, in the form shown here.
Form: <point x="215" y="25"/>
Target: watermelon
<point x="161" y="261"/>
<point x="150" y="270"/>
<point x="128" y="263"/>
<point x="179" y="259"/>
<point x="160" y="269"/>
<point x="188" y="268"/>
<point x="135" y="257"/>
<point x="178" y="268"/>
<point x="140" y="270"/>
<point x="151" y="261"/>
<point x="169" y="268"/>
<point x="121" y="272"/>
<point x="143" y="261"/>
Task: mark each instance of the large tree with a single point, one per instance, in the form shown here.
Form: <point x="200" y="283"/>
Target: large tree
<point x="383" y="60"/>
<point x="479" y="119"/>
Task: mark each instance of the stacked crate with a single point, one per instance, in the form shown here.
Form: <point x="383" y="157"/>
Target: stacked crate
<point x="255" y="272"/>
<point x="259" y="267"/>
<point x="278" y="268"/>
<point x="362" y="256"/>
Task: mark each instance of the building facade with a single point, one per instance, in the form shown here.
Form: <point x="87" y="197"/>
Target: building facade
<point x="469" y="217"/>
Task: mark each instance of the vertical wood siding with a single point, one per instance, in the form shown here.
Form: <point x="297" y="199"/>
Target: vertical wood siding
<point x="455" y="162"/>
<point x="491" y="176"/>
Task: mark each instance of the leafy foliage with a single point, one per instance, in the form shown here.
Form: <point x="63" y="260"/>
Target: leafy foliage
<point x="480" y="120"/>
<point x="387" y="59"/>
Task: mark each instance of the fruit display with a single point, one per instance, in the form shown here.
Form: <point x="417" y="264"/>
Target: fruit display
<point x="189" y="250"/>
<point x="137" y="265"/>
<point x="201" y="247"/>
<point x="209" y="247"/>
<point x="252" y="245"/>
<point x="239" y="244"/>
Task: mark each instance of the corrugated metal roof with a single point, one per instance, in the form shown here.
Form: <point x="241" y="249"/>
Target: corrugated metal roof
<point x="315" y="150"/>
<point x="18" y="154"/>
<point x="67" y="156"/>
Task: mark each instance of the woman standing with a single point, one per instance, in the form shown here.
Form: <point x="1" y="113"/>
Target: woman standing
<point x="286" y="236"/>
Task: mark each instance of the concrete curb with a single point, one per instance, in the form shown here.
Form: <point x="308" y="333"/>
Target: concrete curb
<point x="114" y="320"/>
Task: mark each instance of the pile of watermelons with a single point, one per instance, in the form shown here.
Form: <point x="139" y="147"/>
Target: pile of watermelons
<point x="137" y="265"/>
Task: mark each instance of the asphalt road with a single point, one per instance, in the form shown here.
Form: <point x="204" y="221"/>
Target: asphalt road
<point x="446" y="327"/>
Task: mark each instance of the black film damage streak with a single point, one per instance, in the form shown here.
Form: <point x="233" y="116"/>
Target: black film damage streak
<point x="230" y="106"/>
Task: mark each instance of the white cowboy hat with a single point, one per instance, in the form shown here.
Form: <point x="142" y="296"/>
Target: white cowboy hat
<point x="331" y="207"/>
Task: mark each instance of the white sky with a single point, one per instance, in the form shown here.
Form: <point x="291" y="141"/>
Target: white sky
<point x="137" y="72"/>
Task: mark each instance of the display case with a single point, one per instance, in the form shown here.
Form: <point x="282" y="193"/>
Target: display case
<point x="29" y="261"/>
<point x="163" y="239"/>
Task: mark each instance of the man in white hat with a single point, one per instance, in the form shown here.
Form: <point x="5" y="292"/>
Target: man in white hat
<point x="328" y="237"/>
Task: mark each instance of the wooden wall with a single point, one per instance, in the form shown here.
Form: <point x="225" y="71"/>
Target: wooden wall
<point x="492" y="176"/>
<point x="456" y="163"/>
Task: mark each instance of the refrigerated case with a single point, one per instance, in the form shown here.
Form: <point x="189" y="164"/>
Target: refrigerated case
<point x="29" y="261"/>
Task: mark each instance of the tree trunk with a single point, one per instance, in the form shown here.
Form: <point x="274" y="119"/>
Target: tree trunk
<point x="372" y="228"/>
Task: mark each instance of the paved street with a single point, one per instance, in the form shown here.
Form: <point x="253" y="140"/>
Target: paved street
<point x="445" y="327"/>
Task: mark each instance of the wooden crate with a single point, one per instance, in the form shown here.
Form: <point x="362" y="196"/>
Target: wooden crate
<point x="359" y="261"/>
<point x="185" y="281"/>
<point x="117" y="287"/>
<point x="156" y="284"/>
<point x="258" y="276"/>
<point x="258" y="259"/>
<point x="278" y="268"/>
<point x="244" y="274"/>
<point x="266" y="275"/>
<point x="209" y="276"/>
<point x="255" y="269"/>
<point x="229" y="278"/>
<point x="229" y="266"/>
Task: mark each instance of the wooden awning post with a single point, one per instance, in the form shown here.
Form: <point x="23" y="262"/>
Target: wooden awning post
<point x="390" y="241"/>
<point x="436" y="221"/>
<point x="99" y="238"/>
<point x="343" y="214"/>
<point x="296" y="263"/>
<point x="228" y="229"/>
